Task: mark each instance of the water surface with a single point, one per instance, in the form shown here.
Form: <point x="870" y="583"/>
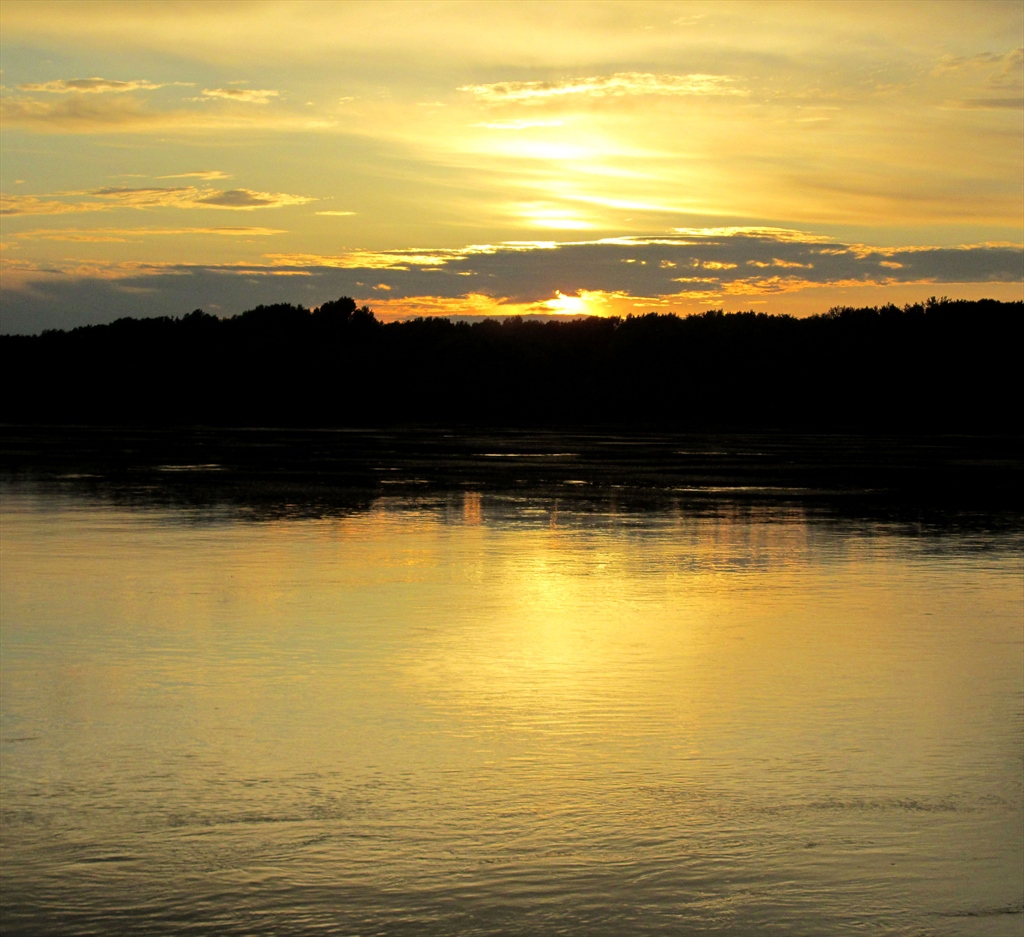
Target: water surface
<point x="482" y="713"/>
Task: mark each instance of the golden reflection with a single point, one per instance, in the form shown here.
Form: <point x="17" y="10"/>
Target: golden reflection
<point x="704" y="629"/>
<point x="471" y="508"/>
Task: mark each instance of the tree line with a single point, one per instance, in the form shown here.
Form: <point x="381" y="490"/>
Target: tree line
<point x="938" y="366"/>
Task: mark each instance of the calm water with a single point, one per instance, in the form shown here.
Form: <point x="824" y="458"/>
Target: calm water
<point x="483" y="715"/>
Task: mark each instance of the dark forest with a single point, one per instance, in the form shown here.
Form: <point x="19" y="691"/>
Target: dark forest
<point x="939" y="366"/>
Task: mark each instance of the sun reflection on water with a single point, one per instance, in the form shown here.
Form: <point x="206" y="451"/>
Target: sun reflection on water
<point x="603" y="709"/>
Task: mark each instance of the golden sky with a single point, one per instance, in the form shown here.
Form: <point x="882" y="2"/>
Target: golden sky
<point x="492" y="158"/>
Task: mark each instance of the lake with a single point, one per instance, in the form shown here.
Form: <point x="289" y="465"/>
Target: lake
<point x="566" y="706"/>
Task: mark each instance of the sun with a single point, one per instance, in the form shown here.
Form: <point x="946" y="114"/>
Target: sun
<point x="563" y="305"/>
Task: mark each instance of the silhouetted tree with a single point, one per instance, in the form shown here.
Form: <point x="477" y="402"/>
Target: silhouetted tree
<point x="943" y="364"/>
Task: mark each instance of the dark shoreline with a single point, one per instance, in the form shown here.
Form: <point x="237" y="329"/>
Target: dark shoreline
<point x="274" y="472"/>
<point x="939" y="367"/>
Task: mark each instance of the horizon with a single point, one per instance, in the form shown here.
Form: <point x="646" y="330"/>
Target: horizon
<point x="502" y="159"/>
<point x="540" y="317"/>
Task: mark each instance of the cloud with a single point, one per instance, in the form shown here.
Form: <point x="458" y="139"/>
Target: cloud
<point x="150" y="196"/>
<point x="406" y="259"/>
<point x="713" y="262"/>
<point x="246" y="199"/>
<point x="986" y="81"/>
<point x="701" y="268"/>
<point x="758" y="232"/>
<point x="1004" y="70"/>
<point x="186" y="196"/>
<point x="71" y="235"/>
<point x="85" y="113"/>
<point x="122" y="235"/>
<point x="716" y="261"/>
<point x="78" y="112"/>
<point x="95" y="86"/>
<point x="243" y="95"/>
<point x="542" y="283"/>
<point x="365" y="260"/>
<point x="335" y="213"/>
<point x="737" y="261"/>
<point x="32" y="205"/>
<point x="618" y="85"/>
<point x="975" y="104"/>
<point x="206" y="174"/>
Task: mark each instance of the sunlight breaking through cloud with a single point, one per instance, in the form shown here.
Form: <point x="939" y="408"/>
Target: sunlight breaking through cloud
<point x="612" y="276"/>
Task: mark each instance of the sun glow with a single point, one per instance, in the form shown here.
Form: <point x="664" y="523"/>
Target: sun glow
<point x="568" y="305"/>
<point x="371" y="141"/>
<point x="584" y="303"/>
<point x="559" y="217"/>
<point x="555" y="150"/>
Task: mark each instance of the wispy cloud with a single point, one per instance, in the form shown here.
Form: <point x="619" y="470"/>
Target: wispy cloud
<point x="761" y="232"/>
<point x="985" y="104"/>
<point x="122" y="235"/>
<point x="207" y="175"/>
<point x="33" y="205"/>
<point x="986" y="81"/>
<point x="80" y="113"/>
<point x="245" y="199"/>
<point x="148" y="197"/>
<point x="76" y="237"/>
<point x="337" y="214"/>
<point x="364" y="260"/>
<point x="95" y="86"/>
<point x="243" y="95"/>
<point x="406" y="259"/>
<point x="191" y="197"/>
<point x="621" y="84"/>
<point x="1000" y="70"/>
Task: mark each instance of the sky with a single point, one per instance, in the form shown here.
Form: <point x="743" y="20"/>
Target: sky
<point x="440" y="158"/>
